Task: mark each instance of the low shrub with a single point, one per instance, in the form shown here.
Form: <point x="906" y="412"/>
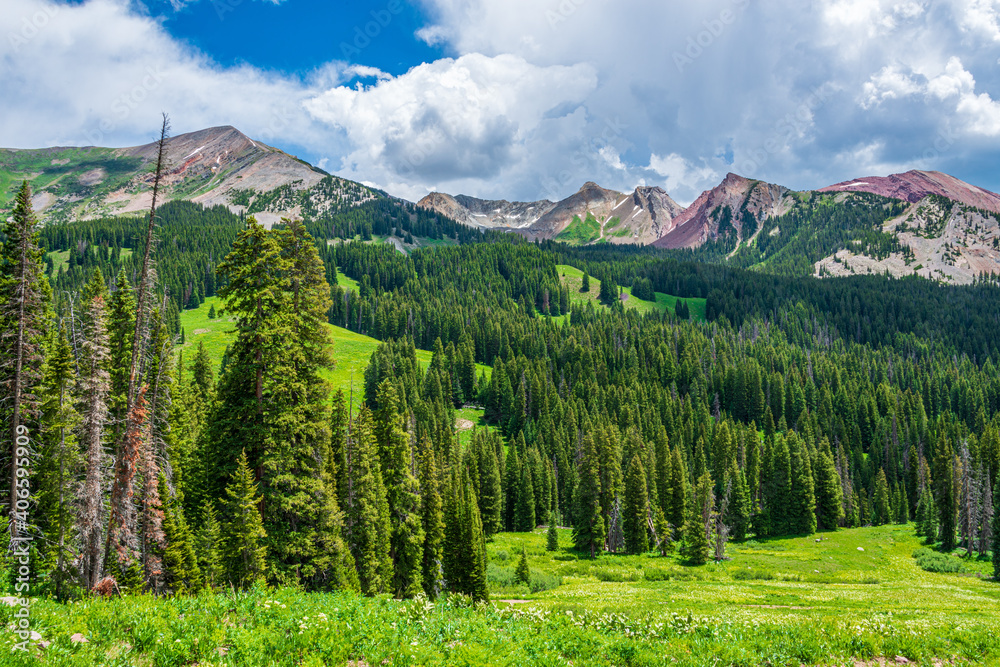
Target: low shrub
<point x="753" y="575"/>
<point x="934" y="561"/>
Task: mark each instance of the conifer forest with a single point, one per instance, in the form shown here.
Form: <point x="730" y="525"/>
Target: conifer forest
<point x="529" y="469"/>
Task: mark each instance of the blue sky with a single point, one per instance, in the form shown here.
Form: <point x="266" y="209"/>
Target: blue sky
<point x="525" y="99"/>
<point x="297" y="36"/>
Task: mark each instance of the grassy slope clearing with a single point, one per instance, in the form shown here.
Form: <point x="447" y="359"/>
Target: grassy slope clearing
<point x="351" y="350"/>
<point x="572" y="277"/>
<point x="819" y="608"/>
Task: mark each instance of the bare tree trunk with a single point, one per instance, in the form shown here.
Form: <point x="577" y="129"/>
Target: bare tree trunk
<point x="144" y="271"/>
<point x="95" y="386"/>
<point x="122" y="525"/>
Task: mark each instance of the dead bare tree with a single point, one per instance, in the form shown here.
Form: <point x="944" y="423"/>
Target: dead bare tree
<point x="122" y="524"/>
<point x="95" y="384"/>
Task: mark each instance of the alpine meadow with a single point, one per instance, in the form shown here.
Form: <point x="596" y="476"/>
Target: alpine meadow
<point x="255" y="413"/>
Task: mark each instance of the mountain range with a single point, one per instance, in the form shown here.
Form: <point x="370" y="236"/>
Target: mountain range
<point x="940" y="227"/>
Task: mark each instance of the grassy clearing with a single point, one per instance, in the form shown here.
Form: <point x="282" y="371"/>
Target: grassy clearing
<point x="614" y="610"/>
<point x="581" y="232"/>
<point x="844" y="574"/>
<point x="573" y="279"/>
<point x="351" y="351"/>
<point x="61" y="257"/>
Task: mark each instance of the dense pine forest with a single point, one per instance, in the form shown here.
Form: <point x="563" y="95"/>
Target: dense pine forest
<point x="800" y="405"/>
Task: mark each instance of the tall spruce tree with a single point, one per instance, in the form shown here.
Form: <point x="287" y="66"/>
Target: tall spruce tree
<point x="737" y="516"/>
<point x="802" y="508"/>
<point x="995" y="545"/>
<point x="403" y="495"/>
<point x="881" y="506"/>
<point x="829" y="492"/>
<point x="24" y="300"/>
<point x="552" y="535"/>
<point x="944" y="492"/>
<point x="58" y="464"/>
<point x="695" y="547"/>
<point x="432" y="519"/>
<point x="636" y="508"/>
<point x="588" y="529"/>
<point x="367" y="528"/>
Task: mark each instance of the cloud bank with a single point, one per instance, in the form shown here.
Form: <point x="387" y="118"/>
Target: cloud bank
<point x="538" y="97"/>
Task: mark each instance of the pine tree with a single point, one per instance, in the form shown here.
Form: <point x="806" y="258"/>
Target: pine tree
<point x="944" y="492"/>
<point x="926" y="515"/>
<point x="677" y="513"/>
<point x="737" y="516"/>
<point x="829" y="492"/>
<point x="586" y="283"/>
<point x="802" y="507"/>
<point x="522" y="573"/>
<point x="209" y="546"/>
<point x="403" y="496"/>
<point x="588" y="529"/>
<point x="58" y="463"/>
<point x="121" y="330"/>
<point x="552" y="535"/>
<point x="995" y="542"/>
<point x="367" y="528"/>
<point x="432" y="519"/>
<point x="464" y="543"/>
<point x="524" y="512"/>
<point x="179" y="558"/>
<point x="24" y="299"/>
<point x="211" y="312"/>
<point x="636" y="509"/>
<point x="241" y="531"/>
<point x="664" y="542"/>
<point x="695" y="547"/>
<point x="881" y="509"/>
<point x="778" y="490"/>
<point x="484" y="443"/>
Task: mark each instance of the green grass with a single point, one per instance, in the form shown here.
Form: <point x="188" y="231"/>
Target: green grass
<point x="351" y="351"/>
<point x="468" y="420"/>
<point x="572" y="277"/>
<point x="60" y="257"/>
<point x="581" y="232"/>
<point x="795" y="601"/>
<point x="816" y="578"/>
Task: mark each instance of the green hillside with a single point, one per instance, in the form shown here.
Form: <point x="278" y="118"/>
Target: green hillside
<point x="351" y="351"/>
<point x="572" y="278"/>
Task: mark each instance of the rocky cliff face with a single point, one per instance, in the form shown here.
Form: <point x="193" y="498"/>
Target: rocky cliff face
<point x="941" y="240"/>
<point x="701" y="220"/>
<point x="914" y="185"/>
<point x="485" y="213"/>
<point x="591" y="214"/>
